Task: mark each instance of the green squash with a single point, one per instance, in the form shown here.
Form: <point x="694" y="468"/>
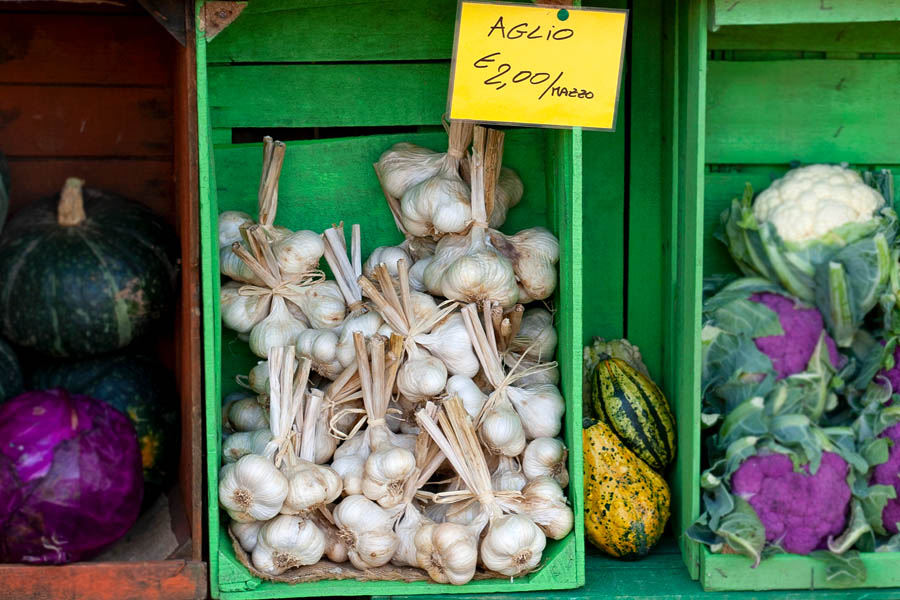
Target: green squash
<point x="10" y="373"/>
<point x="85" y="273"/>
<point x="138" y="387"/>
<point x="4" y="190"/>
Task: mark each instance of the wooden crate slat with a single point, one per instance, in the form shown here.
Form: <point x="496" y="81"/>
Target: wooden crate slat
<point x="328" y="95"/>
<point x="767" y="12"/>
<point x="282" y="31"/>
<point x="817" y="111"/>
<point x="49" y="48"/>
<point x="92" y="121"/>
<point x="821" y="37"/>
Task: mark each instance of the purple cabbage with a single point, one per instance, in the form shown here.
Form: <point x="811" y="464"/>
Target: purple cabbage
<point x="71" y="479"/>
<point x="892" y="374"/>
<point x="888" y="473"/>
<point x="790" y="352"/>
<point x="800" y="511"/>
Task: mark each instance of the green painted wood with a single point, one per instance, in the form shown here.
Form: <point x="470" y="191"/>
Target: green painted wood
<point x="807" y="110"/>
<point x="329" y="31"/>
<point x="821" y="37"/>
<point x="220" y="135"/>
<point x="769" y="12"/>
<point x="328" y="95"/>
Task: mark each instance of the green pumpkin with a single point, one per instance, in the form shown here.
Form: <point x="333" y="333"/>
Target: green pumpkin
<point x="85" y="273"/>
<point x="10" y="373"/>
<point x="138" y="387"/>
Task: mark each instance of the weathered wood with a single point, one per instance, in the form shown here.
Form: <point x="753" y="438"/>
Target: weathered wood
<point x="285" y="31"/>
<point x="816" y="111"/>
<point x="332" y="95"/>
<point x="85" y="121"/>
<point x="218" y="15"/>
<point x="51" y="48"/>
<point x="170" y="14"/>
<point x="162" y="580"/>
<point x="821" y="37"/>
<point x="767" y="12"/>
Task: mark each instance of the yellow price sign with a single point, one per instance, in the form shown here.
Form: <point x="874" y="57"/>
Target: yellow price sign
<point x="537" y="65"/>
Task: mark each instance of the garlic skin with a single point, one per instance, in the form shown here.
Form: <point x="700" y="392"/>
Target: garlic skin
<point x="449" y="341"/>
<point x="404" y="165"/>
<point x="298" y="253"/>
<point x="280" y="328"/>
<point x="422" y="378"/>
<point x="546" y="505"/>
<point x="502" y="431"/>
<point x="447" y="552"/>
<point x="252" y="489"/>
<point x="437" y="206"/>
<point x="325" y="444"/>
<point x="534" y="253"/>
<point x="320" y="347"/>
<point x="335" y="549"/>
<point x="508" y="475"/>
<point x="546" y="457"/>
<point x="540" y="407"/>
<point x="246" y="533"/>
<point x="408" y="525"/>
<point x="467" y="391"/>
<point x="482" y="273"/>
<point x="367" y="324"/>
<point x="507" y="194"/>
<point x="241" y="313"/>
<point x="307" y="488"/>
<point x="448" y="250"/>
<point x="385" y="473"/>
<point x="230" y="223"/>
<point x="350" y="469"/>
<point x="389" y="255"/>
<point x="232" y="266"/>
<point x="512" y="546"/>
<point x="367" y="531"/>
<point x="246" y="414"/>
<point x="322" y="304"/>
<point x="417" y="274"/>
<point x="242" y="443"/>
<point x="287" y="542"/>
<point x="536" y="338"/>
<point x="548" y="376"/>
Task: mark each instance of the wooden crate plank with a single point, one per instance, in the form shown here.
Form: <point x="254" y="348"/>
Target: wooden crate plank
<point x="283" y="31"/>
<point x="328" y="95"/>
<point x="51" y="48"/>
<point x="85" y="121"/>
<point x="807" y="110"/>
<point x="147" y="181"/>
<point x="822" y="37"/>
<point x="169" y="580"/>
<point x="766" y="12"/>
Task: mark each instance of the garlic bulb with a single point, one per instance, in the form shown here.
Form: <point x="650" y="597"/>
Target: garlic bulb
<point x="472" y="397"/>
<point x="287" y="542"/>
<point x="404" y="165"/>
<point x="448" y="552"/>
<point x="385" y="472"/>
<point x="417" y="274"/>
<point x="252" y="489"/>
<point x="389" y="255"/>
<point x="280" y="328"/>
<point x="335" y="549"/>
<point x="513" y="545"/>
<point x="536" y="337"/>
<point x="246" y="414"/>
<point x="320" y="347"/>
<point x="540" y="407"/>
<point x="350" y="469"/>
<point x="242" y="443"/>
<point x="449" y="341"/>
<point x="298" y="253"/>
<point x="258" y="379"/>
<point x="546" y="505"/>
<point x="549" y="374"/>
<point x="230" y="223"/>
<point x="508" y="194"/>
<point x="534" y="253"/>
<point x="367" y="531"/>
<point x="447" y="251"/>
<point x="408" y="525"/>
<point x="546" y="457"/>
<point x="502" y="431"/>
<point x="322" y="303"/>
<point x="241" y="313"/>
<point x="231" y="265"/>
<point x="508" y="475"/>
<point x="246" y="533"/>
<point x="422" y="377"/>
<point x="309" y="486"/>
<point x="366" y="323"/>
<point x="325" y="443"/>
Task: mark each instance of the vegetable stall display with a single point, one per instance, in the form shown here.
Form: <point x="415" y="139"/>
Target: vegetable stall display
<point x="404" y="422"/>
<point x="798" y="393"/>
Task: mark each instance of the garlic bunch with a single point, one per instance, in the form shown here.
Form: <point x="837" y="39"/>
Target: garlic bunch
<point x="321" y="303"/>
<point x="447" y="551"/>
<point x="534" y="253"/>
<point x="246" y="533"/>
<point x="245" y="414"/>
<point x="472" y="397"/>
<point x="513" y="545"/>
<point x="509" y="193"/>
<point x="241" y="313"/>
<point x="230" y="224"/>
<point x="546" y="457"/>
<point x="320" y="347"/>
<point x="536" y="337"/>
<point x="242" y="443"/>
<point x="508" y="476"/>
<point x="545" y="504"/>
<point x="252" y="489"/>
<point x="298" y="254"/>
<point x="405" y="165"/>
<point x="387" y="255"/>
<point x="367" y="532"/>
<point x="287" y="542"/>
<point x="540" y="407"/>
<point x="279" y="328"/>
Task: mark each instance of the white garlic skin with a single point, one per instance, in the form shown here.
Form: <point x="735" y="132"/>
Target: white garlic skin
<point x="549" y="376"/>
<point x="252" y="489"/>
<point x="389" y="255"/>
<point x="545" y="504"/>
<point x="406" y="529"/>
<point x="367" y="530"/>
<point x="536" y="335"/>
<point x="385" y="473"/>
<point x="422" y="378"/>
<point x="508" y="476"/>
<point x="367" y="324"/>
<point x="472" y="397"/>
<point x="287" y="542"/>
<point x="447" y="552"/>
<point x="306" y="488"/>
<point x="280" y="328"/>
<point x="404" y="165"/>
<point x="546" y="457"/>
<point x="417" y="274"/>
<point x="298" y="253"/>
<point x="480" y="274"/>
<point x="242" y="443"/>
<point x="320" y="347"/>
<point x="232" y="266"/>
<point x="326" y="444"/>
<point x="534" y="253"/>
<point x="437" y="206"/>
<point x="513" y="545"/>
<point x="502" y="431"/>
<point x="449" y="341"/>
<point x="230" y="223"/>
<point x="258" y="378"/>
<point x="322" y="303"/>
<point x="351" y="469"/>
<point x="540" y="407"/>
<point x="246" y="414"/>
<point x="246" y="533"/>
<point x="241" y="313"/>
<point x="507" y="194"/>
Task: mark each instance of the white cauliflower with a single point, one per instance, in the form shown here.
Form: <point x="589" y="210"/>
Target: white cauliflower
<point x="810" y="201"/>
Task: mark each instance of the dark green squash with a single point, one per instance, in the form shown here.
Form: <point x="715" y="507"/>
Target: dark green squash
<point x="10" y="373"/>
<point x="84" y="273"/>
<point x="138" y="387"/>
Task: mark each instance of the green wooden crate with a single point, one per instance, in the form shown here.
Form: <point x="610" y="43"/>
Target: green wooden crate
<point x="777" y="81"/>
<point x="352" y="65"/>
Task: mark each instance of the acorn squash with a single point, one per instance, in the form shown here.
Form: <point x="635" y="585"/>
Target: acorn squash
<point x="626" y="503"/>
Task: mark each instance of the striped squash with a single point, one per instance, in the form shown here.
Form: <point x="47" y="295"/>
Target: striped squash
<point x="636" y="409"/>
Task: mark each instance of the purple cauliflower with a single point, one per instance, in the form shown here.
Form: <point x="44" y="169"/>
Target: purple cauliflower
<point x="892" y="374"/>
<point x="888" y="473"/>
<point x="798" y="510"/>
<point x="790" y="353"/>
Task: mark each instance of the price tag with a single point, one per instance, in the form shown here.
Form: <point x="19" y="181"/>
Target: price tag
<point x="523" y="64"/>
